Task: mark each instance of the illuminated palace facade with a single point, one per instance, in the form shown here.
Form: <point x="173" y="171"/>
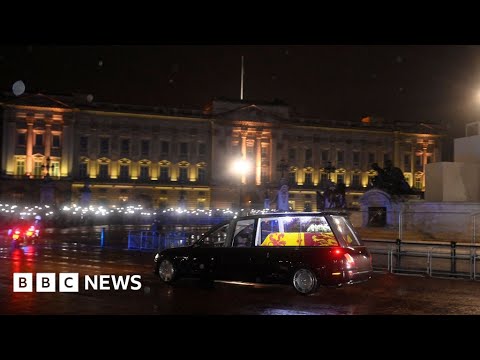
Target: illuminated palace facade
<point x="163" y="157"/>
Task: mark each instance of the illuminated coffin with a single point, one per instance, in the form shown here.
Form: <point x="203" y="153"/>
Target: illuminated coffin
<point x="300" y="239"/>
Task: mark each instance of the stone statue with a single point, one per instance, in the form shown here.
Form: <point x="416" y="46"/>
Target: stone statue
<point x="282" y="198"/>
<point x="340" y="190"/>
<point x="391" y="179"/>
<point x="320" y="201"/>
<point x="334" y="196"/>
<point x="266" y="201"/>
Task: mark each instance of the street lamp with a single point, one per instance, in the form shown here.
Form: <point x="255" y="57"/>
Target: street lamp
<point x="330" y="169"/>
<point x="47" y="167"/>
<point x="241" y="167"/>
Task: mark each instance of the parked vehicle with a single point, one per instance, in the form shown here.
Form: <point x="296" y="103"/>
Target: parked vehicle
<point x="307" y="250"/>
<point x="23" y="233"/>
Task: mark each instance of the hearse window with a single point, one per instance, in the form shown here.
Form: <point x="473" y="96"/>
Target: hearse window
<point x="318" y="224"/>
<point x="292" y="224"/>
<point x="299" y="231"/>
<point x="345" y="232"/>
<point x="216" y="238"/>
<point x="267" y="226"/>
<point x="244" y="232"/>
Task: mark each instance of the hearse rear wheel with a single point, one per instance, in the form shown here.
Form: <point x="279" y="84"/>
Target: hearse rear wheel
<point x="167" y="271"/>
<point x="305" y="281"/>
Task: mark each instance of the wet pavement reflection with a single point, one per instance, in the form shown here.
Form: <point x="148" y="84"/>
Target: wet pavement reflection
<point x="384" y="294"/>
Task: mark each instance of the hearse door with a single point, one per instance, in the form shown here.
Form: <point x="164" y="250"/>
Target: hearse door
<point x="205" y="257"/>
<point x="236" y="262"/>
<point x="267" y="253"/>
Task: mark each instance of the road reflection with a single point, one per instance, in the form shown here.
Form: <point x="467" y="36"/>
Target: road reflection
<point x="297" y="312"/>
<point x="383" y="294"/>
<point x="23" y="261"/>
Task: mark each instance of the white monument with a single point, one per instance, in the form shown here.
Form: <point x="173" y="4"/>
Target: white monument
<point x="457" y="180"/>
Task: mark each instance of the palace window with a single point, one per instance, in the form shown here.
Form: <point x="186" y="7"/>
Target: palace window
<point x="356" y="158"/>
<point x="37" y="168"/>
<point x="325" y="156"/>
<point x="202" y="175"/>
<point x="308" y="178"/>
<point x="145" y="147"/>
<point x="55" y="169"/>
<point x="165" y="147"/>
<point x="104" y="145"/>
<point x="124" y="172"/>
<point x="418" y="183"/>
<point x="125" y="147"/>
<point x="164" y="173"/>
<point x="103" y="171"/>
<point x="323" y="179"/>
<point x="38" y="139"/>
<point x="20" y="168"/>
<point x="82" y="170"/>
<point x="21" y="139"/>
<point x="183" y="176"/>
<point x="144" y="172"/>
<point x="385" y="158"/>
<point x="183" y="149"/>
<point x="308" y="154"/>
<point x="56" y="141"/>
<point x="356" y="180"/>
<point x="407" y="163"/>
<point x="291" y="177"/>
<point x="292" y="155"/>
<point x="371" y="158"/>
<point x="83" y="143"/>
<point x="340" y="156"/>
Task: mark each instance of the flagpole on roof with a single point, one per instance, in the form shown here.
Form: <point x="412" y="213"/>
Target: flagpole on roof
<point x="241" y="82"/>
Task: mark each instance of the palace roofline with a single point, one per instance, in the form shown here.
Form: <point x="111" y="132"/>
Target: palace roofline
<point x="218" y="107"/>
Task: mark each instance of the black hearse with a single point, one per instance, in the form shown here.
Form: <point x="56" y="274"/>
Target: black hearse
<point x="304" y="249"/>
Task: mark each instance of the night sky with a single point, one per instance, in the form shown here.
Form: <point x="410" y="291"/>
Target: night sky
<point x="420" y="83"/>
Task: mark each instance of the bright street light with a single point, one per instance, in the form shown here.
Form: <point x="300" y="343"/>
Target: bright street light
<point x="241" y="167"/>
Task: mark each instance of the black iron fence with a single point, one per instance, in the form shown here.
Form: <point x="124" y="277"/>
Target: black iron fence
<point x="436" y="259"/>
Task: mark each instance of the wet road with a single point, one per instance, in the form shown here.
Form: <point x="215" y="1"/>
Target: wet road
<point x="385" y="294"/>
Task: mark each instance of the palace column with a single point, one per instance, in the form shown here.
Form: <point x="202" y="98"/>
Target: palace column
<point x="258" y="158"/>
<point x="244" y="153"/>
<point x="29" y="149"/>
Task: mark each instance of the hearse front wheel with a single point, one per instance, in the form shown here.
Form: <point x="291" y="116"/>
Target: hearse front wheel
<point x="305" y="281"/>
<point x="167" y="271"/>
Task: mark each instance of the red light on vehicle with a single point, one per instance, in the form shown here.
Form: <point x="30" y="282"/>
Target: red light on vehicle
<point x="338" y="251"/>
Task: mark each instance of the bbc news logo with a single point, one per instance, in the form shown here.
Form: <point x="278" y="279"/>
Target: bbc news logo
<point x="69" y="282"/>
